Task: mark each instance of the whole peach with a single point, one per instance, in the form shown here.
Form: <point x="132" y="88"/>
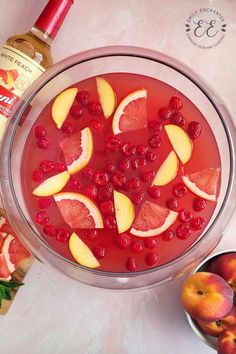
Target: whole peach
<point x="217" y="327"/>
<point x="226" y="343"/>
<point x="207" y="296"/>
<point x="225" y="267"/>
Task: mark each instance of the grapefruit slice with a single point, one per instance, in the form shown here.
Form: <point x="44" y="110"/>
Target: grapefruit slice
<point x="4" y="271"/>
<point x="124" y="211"/>
<point x="167" y="171"/>
<point x="62" y="105"/>
<point x="14" y="251"/>
<point x="52" y="185"/>
<point x="78" y="211"/>
<point x="131" y="114"/>
<point x="106" y="96"/>
<point x="181" y="142"/>
<point x="81" y="252"/>
<point x="152" y="220"/>
<point x="203" y="183"/>
<point x="5" y="251"/>
<point x="77" y="150"/>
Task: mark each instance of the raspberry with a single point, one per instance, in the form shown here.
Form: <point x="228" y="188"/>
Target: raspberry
<point x="44" y="203"/>
<point x="154" y="192"/>
<point x="168" y="235"/>
<point x="123" y="164"/>
<point x="88" y="173"/>
<point x="107" y="207"/>
<point x="113" y="143"/>
<point x="155" y="141"/>
<point x="154" y="126"/>
<point x="43" y="143"/>
<point x="199" y="204"/>
<point x="178" y="119"/>
<point x="95" y="124"/>
<point x="197" y="223"/>
<point x="39" y="131"/>
<point x="62" y="235"/>
<point x="151" y="258"/>
<point x="91" y="234"/>
<point x="128" y="149"/>
<point x="46" y="166"/>
<point x="185" y="215"/>
<point x="136" y="247"/>
<point x="109" y="167"/>
<point x="118" y="179"/>
<point x="99" y="252"/>
<point x="164" y="113"/>
<point x="38" y="176"/>
<point x="131" y="264"/>
<point x="68" y="128"/>
<point x="194" y="129"/>
<point x="138" y="162"/>
<point x="105" y="192"/>
<point x="150" y="242"/>
<point x="83" y="97"/>
<point x="101" y="178"/>
<point x="176" y="103"/>
<point x="147" y="176"/>
<point x="74" y="183"/>
<point x="122" y="240"/>
<point x="60" y="167"/>
<point x="91" y="191"/>
<point x="151" y="156"/>
<point x="76" y="112"/>
<point x="183" y="231"/>
<point x="50" y="230"/>
<point x="172" y="203"/>
<point x="42" y="218"/>
<point x="180" y="190"/>
<point x="94" y="108"/>
<point x="109" y="222"/>
<point x="137" y="198"/>
<point x="133" y="183"/>
<point x="141" y="150"/>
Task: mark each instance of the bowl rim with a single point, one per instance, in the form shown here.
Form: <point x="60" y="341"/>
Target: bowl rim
<point x="198" y="331"/>
<point x="111" y="51"/>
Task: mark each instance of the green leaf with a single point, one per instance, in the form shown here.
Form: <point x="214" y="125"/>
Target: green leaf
<point x="5" y="289"/>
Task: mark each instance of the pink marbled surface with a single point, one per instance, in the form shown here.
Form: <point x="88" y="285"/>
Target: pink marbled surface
<point x="53" y="314"/>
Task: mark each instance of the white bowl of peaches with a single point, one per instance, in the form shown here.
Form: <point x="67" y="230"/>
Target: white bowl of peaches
<point x="208" y="297"/>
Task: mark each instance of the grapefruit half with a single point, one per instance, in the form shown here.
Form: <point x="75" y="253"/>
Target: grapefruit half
<point x="131" y="114"/>
<point x="203" y="183"/>
<point x="78" y="211"/>
<point x="77" y="150"/>
<point x="152" y="220"/>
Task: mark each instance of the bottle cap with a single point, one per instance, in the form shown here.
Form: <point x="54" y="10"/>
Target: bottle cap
<point x="53" y="16"/>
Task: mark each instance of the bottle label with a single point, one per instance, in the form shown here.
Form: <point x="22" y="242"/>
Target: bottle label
<point x="17" y="72"/>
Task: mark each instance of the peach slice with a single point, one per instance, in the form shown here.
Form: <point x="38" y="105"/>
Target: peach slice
<point x="52" y="185"/>
<point x="167" y="171"/>
<point x="106" y="96"/>
<point x="81" y="253"/>
<point x="181" y="142"/>
<point x="124" y="211"/>
<point x="62" y="105"/>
